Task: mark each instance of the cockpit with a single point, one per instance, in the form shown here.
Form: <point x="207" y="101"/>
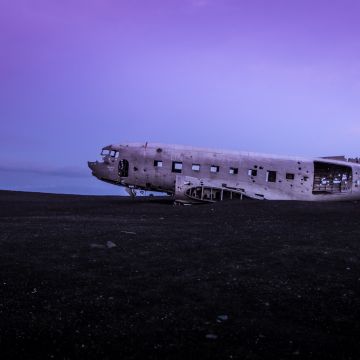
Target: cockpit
<point x="111" y="156"/>
<point x="111" y="168"/>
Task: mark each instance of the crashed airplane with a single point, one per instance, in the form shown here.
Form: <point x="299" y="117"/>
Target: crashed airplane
<point x="205" y="175"/>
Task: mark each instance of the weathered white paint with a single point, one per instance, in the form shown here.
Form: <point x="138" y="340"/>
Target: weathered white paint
<point x="144" y="174"/>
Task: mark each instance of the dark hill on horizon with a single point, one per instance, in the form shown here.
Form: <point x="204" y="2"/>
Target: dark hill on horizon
<point x="107" y="277"/>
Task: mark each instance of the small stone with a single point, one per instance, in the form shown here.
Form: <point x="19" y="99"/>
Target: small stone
<point x="110" y="244"/>
<point x="223" y="318"/>
<point x="211" y="336"/>
<point x="97" y="246"/>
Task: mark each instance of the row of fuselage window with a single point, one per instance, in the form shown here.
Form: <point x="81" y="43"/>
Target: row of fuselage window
<point x="177" y="167"/>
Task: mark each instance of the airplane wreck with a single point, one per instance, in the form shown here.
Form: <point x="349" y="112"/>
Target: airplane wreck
<point x="196" y="175"/>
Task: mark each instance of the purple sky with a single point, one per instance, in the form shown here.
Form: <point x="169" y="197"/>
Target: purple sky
<point x="266" y="76"/>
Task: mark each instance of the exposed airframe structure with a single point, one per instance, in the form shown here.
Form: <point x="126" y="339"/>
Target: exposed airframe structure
<point x="205" y="175"/>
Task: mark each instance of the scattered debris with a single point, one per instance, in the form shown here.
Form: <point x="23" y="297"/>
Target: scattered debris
<point x="128" y="232"/>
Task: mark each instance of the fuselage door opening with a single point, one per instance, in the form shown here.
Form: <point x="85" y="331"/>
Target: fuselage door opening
<point x="123" y="168"/>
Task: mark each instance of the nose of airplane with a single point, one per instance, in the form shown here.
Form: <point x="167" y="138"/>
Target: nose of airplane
<point x="102" y="171"/>
<point x="91" y="165"/>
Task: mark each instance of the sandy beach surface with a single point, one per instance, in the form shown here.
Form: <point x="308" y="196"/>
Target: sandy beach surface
<point x="99" y="277"/>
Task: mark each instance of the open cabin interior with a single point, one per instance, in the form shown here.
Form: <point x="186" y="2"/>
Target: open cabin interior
<point x="331" y="178"/>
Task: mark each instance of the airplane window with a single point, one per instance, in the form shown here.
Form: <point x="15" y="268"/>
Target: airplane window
<point x="176" y="167"/>
<point x="158" y="163"/>
<point x="271" y="176"/>
<point x="195" y="167"/>
<point x="114" y="153"/>
<point x="233" y="171"/>
<point x="214" y="168"/>
<point x="290" y="176"/>
<point x="105" y="152"/>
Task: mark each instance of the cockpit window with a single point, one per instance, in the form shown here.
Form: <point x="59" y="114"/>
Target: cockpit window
<point x="105" y="152"/>
<point x="112" y="153"/>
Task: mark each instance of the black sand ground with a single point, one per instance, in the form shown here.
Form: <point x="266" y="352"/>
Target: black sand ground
<point x="244" y="280"/>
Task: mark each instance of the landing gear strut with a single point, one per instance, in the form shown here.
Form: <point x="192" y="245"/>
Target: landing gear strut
<point x="131" y="192"/>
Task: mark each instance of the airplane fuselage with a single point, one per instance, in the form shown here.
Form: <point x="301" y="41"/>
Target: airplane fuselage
<point x="196" y="174"/>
